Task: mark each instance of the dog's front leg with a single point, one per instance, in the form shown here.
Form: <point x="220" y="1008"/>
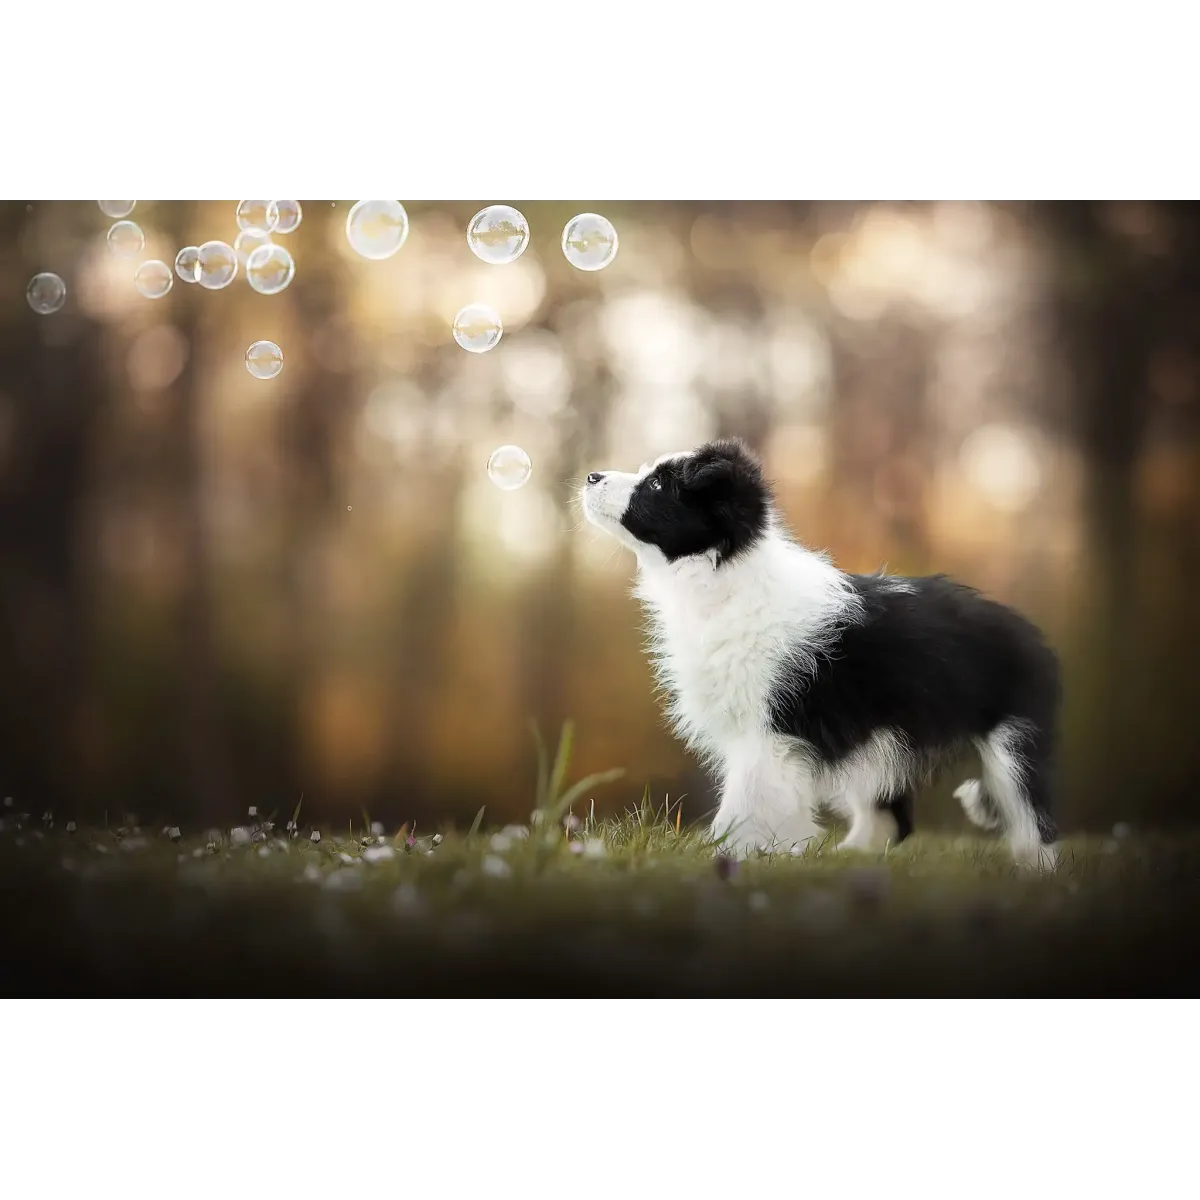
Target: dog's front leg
<point x="766" y="801"/>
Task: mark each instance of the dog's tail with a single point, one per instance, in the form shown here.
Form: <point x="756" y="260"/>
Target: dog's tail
<point x="977" y="804"/>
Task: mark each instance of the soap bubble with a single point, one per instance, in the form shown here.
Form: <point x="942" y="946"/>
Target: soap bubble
<point x="217" y="265"/>
<point x="248" y="241"/>
<point x="509" y="467"/>
<point x="270" y="269"/>
<point x="377" y="228"/>
<point x="125" y="239"/>
<point x="153" y="279"/>
<point x="117" y="208"/>
<point x="589" y="241"/>
<point x="264" y="360"/>
<point x="287" y="215"/>
<point x="498" y="234"/>
<point x="257" y="215"/>
<point x="187" y="264"/>
<point x="46" y="293"/>
<point x="477" y="328"/>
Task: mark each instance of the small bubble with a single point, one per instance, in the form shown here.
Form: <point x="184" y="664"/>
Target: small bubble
<point x="187" y="264"/>
<point x="589" y="241"/>
<point x="477" y="328"/>
<point x="117" y="208"/>
<point x="270" y="269"/>
<point x="126" y="239"/>
<point x="153" y="279"/>
<point x="264" y="360"/>
<point x="288" y="215"/>
<point x="248" y="241"/>
<point x="509" y="468"/>
<point x="349" y="507"/>
<point x="46" y="293"/>
<point x="257" y="215"/>
<point x="217" y="265"/>
<point x="376" y="229"/>
<point x="498" y="234"/>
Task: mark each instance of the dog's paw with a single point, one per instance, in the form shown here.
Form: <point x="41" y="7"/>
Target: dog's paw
<point x="872" y="835"/>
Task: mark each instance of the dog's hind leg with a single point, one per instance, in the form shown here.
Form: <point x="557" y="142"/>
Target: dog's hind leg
<point x="1017" y="758"/>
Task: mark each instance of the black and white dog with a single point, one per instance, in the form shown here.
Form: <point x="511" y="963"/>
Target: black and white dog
<point x="806" y="686"/>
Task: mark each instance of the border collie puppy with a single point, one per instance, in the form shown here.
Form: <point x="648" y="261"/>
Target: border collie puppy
<point x="805" y="686"/>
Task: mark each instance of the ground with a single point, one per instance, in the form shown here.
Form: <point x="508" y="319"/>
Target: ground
<point x="633" y="905"/>
<point x="569" y="904"/>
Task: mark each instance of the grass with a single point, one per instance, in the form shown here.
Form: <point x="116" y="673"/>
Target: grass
<point x="570" y="904"/>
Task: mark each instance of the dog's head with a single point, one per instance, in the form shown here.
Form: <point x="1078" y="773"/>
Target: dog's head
<point x="711" y="501"/>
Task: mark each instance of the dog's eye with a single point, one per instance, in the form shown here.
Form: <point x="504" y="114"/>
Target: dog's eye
<point x="654" y="483"/>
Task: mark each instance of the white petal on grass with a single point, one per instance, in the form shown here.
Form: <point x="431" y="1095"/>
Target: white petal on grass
<point x="515" y="831"/>
<point x="500" y="843"/>
<point x="313" y="873"/>
<point x="496" y="867"/>
<point x="239" y="835"/>
<point x="316" y="835"/>
<point x="594" y="848"/>
<point x="343" y="880"/>
<point x="374" y="854"/>
<point x="377" y="828"/>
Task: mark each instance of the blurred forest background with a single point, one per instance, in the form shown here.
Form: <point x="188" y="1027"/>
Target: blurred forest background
<point x="218" y="591"/>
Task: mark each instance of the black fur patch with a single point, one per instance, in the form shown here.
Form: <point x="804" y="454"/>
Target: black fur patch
<point x="713" y="500"/>
<point x="939" y="664"/>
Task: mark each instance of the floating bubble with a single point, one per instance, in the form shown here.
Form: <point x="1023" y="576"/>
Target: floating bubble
<point x="126" y="239"/>
<point x="377" y="228"/>
<point x="270" y="269"/>
<point x="264" y="360"/>
<point x="153" y="279"/>
<point x="477" y="328"/>
<point x="589" y="241"/>
<point x="187" y="264"/>
<point x="287" y="215"/>
<point x="247" y="242"/>
<point x="498" y="234"/>
<point x="509" y="467"/>
<point x="216" y="265"/>
<point x="46" y="293"/>
<point x="257" y="215"/>
<point x="117" y="208"/>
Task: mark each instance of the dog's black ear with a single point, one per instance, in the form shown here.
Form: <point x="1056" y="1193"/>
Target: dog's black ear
<point x="721" y="462"/>
<point x="707" y="473"/>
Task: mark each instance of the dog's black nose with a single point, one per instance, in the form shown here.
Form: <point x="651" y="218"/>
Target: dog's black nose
<point x="595" y="477"/>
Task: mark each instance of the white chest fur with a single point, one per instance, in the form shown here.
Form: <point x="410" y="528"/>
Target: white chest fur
<point x="721" y="637"/>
